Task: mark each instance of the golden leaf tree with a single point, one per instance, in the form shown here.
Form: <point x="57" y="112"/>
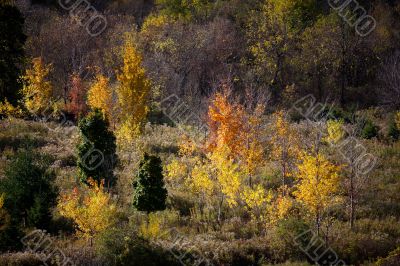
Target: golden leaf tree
<point x="100" y="95"/>
<point x="318" y="185"/>
<point x="38" y="90"/>
<point x="133" y="92"/>
<point x="229" y="175"/>
<point x="285" y="147"/>
<point x="92" y="209"/>
<point x="252" y="149"/>
<point x="335" y="131"/>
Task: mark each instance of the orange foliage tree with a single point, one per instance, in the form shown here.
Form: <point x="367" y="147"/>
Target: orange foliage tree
<point x="237" y="128"/>
<point x="77" y="95"/>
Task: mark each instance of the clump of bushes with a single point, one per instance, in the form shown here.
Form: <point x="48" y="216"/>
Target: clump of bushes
<point x="370" y="130"/>
<point x="20" y="259"/>
<point x="393" y="132"/>
<point x="27" y="197"/>
<point x="122" y="246"/>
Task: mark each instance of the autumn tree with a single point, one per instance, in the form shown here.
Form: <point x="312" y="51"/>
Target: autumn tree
<point x="335" y="131"/>
<point x="150" y="193"/>
<point x="133" y="92"/>
<point x="100" y="95"/>
<point x="91" y="208"/>
<point x="229" y="175"/>
<point x="253" y="151"/>
<point x="285" y="147"/>
<point x="11" y="51"/>
<point x="201" y="181"/>
<point x="97" y="149"/>
<point x="226" y="122"/>
<point x="318" y="185"/>
<point x="77" y="96"/>
<point x="37" y="90"/>
<point x="238" y="128"/>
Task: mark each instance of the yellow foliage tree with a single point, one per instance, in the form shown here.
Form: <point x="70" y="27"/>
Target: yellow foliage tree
<point x="92" y="210"/>
<point x="319" y="182"/>
<point x="201" y="181"/>
<point x="151" y="228"/>
<point x="100" y="95"/>
<point x="280" y="207"/>
<point x="335" y="131"/>
<point x="38" y="90"/>
<point x="256" y="201"/>
<point x="133" y="93"/>
<point x="285" y="146"/>
<point x="252" y="149"/>
<point x="229" y="175"/>
<point x="176" y="171"/>
<point x="7" y="109"/>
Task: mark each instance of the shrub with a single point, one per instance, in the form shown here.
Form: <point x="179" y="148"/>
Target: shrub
<point x="97" y="150"/>
<point x="394" y="131"/>
<point x="92" y="210"/>
<point x="149" y="191"/>
<point x="29" y="190"/>
<point x="121" y="246"/>
<point x="369" y="130"/>
<point x="8" y="110"/>
<point x="9" y="233"/>
<point x="20" y="259"/>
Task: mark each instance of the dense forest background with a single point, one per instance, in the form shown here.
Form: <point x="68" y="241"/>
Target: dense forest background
<point x="190" y="46"/>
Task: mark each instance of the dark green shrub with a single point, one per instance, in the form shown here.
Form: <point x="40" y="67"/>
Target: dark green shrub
<point x="10" y="238"/>
<point x="369" y="130"/>
<point x="29" y="191"/>
<point x="97" y="150"/>
<point x="150" y="193"/>
<point x="393" y="132"/>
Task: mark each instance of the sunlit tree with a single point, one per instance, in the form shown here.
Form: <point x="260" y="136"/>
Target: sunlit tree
<point x="285" y="146"/>
<point x="37" y="90"/>
<point x="133" y="93"/>
<point x="100" y="95"/>
<point x="318" y="185"/>
<point x="91" y="208"/>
